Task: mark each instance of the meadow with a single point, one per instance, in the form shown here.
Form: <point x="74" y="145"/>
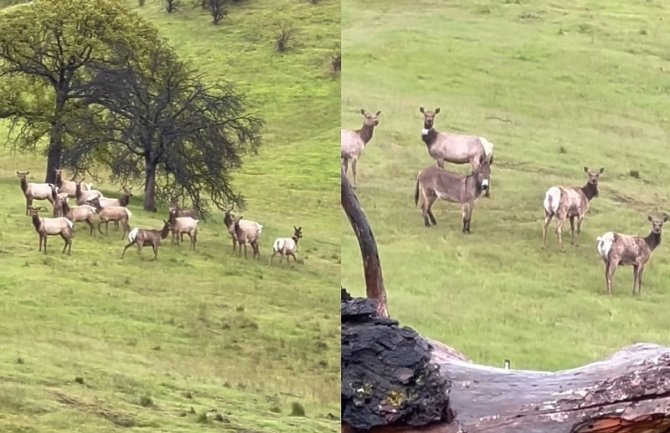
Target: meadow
<point x="555" y="87"/>
<point x="204" y="340"/>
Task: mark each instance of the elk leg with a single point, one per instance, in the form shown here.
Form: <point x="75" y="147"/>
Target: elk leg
<point x="155" y="247"/>
<point x="636" y="272"/>
<point x="579" y="225"/>
<point x="107" y="228"/>
<point x="45" y="244"/>
<point x="274" y="253"/>
<point x="572" y="230"/>
<point x="354" y="162"/>
<point x="90" y="225"/>
<point x="559" y="228"/>
<point x="345" y="166"/>
<point x="440" y="163"/>
<point x="547" y="221"/>
<point x="639" y="279"/>
<point x="62" y="235"/>
<point x="427" y="212"/>
<point x="128" y="246"/>
<point x="610" y="267"/>
<point x="466" y="212"/>
<point x="40" y="238"/>
<point x="29" y="203"/>
<point x="245" y="250"/>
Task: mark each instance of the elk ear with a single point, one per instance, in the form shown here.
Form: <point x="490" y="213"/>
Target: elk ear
<point x="362" y="111"/>
<point x="378" y="113"/>
<point x="665" y="217"/>
<point x="649" y="218"/>
<point x="420" y="110"/>
<point x="437" y="110"/>
<point x="602" y="169"/>
<point x="586" y="169"/>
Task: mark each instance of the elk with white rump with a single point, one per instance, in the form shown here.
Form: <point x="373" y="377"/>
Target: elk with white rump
<point x="144" y="237"/>
<point x="83" y="213"/>
<point x="112" y="213"/>
<point x="451" y="147"/>
<point x="352" y="142"/>
<point x="617" y="249"/>
<point x="69" y="187"/>
<point x="46" y="227"/>
<point x="183" y="225"/>
<point x="83" y="196"/>
<point x="569" y="202"/>
<point x="434" y="182"/>
<point x="248" y="232"/>
<point x="286" y="246"/>
<point x="36" y="191"/>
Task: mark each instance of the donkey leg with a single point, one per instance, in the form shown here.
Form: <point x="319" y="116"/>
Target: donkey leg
<point x="547" y="221"/>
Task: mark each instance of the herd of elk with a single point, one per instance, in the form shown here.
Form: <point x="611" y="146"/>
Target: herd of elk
<point x="92" y="205"/>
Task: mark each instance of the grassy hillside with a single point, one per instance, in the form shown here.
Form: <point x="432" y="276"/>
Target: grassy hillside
<point x="579" y="85"/>
<point x="93" y="343"/>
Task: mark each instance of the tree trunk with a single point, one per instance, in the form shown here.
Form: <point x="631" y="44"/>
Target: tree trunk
<point x="374" y="281"/>
<point x="150" y="187"/>
<point x="55" y="152"/>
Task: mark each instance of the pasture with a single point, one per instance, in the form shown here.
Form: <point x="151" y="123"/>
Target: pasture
<point x="555" y="87"/>
<point x="204" y="340"/>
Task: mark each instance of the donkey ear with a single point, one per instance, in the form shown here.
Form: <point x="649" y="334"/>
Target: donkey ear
<point x="420" y="110"/>
<point x="602" y="169"/>
<point x="437" y="110"/>
<point x="586" y="169"/>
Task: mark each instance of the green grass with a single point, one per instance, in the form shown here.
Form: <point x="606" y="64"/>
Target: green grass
<point x="583" y="84"/>
<point x="93" y="343"/>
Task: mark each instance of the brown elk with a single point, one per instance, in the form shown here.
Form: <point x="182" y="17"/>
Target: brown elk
<point x="434" y="182"/>
<point x="569" y="203"/>
<point x="35" y="191"/>
<point x="617" y="249"/>
<point x="46" y="227"/>
<point x="353" y="142"/>
<point x="455" y="148"/>
<point x="144" y="237"/>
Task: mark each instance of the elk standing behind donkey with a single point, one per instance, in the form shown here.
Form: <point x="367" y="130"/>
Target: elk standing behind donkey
<point x="144" y="237"/>
<point x="352" y="143"/>
<point x="455" y="148"/>
<point x="569" y="202"/>
<point x="617" y="249"/>
<point x="286" y="246"/>
<point x="46" y="227"/>
<point x="434" y="182"/>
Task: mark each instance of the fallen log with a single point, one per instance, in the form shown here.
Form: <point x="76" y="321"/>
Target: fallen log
<point x="395" y="381"/>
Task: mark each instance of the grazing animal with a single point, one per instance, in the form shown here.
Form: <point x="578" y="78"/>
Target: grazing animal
<point x="174" y="205"/>
<point x="144" y="237"/>
<point x="112" y="213"/>
<point x="123" y="201"/>
<point x="456" y="148"/>
<point x="229" y="222"/>
<point x="68" y="187"/>
<point x="617" y="249"/>
<point x="83" y="213"/>
<point x="352" y="142"/>
<point x="183" y="225"/>
<point x="569" y="202"/>
<point x="84" y="197"/>
<point x="248" y="232"/>
<point x="434" y="182"/>
<point x="287" y="246"/>
<point x="46" y="227"/>
<point x="35" y="191"/>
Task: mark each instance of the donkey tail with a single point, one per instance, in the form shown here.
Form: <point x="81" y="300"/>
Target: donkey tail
<point x="416" y="192"/>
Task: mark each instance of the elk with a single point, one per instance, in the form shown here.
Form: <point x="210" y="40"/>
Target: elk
<point x="112" y="213"/>
<point x="434" y="182"/>
<point x="83" y="213"/>
<point x="617" y="249"/>
<point x="248" y="232"/>
<point x="82" y="196"/>
<point x="35" y="191"/>
<point x="144" y="237"/>
<point x="123" y="201"/>
<point x="352" y="142"/>
<point x="286" y="246"/>
<point x="455" y="148"/>
<point x="68" y="187"/>
<point x="174" y="205"/>
<point x="181" y="225"/>
<point x="229" y="222"/>
<point x="569" y="202"/>
<point x="46" y="227"/>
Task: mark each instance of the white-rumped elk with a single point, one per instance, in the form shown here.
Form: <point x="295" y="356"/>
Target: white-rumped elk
<point x="248" y="232"/>
<point x="353" y="142"/>
<point x="84" y="197"/>
<point x="35" y="191"/>
<point x="46" y="227"/>
<point x="618" y="249"/>
<point x="571" y="203"/>
<point x="147" y="237"/>
<point x="434" y="182"/>
<point x="84" y="213"/>
<point x="455" y="148"/>
<point x="69" y="187"/>
<point x="286" y="246"/>
<point x="113" y="214"/>
<point x="183" y="225"/>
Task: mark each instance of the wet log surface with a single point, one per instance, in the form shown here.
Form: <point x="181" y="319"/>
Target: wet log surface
<point x="627" y="393"/>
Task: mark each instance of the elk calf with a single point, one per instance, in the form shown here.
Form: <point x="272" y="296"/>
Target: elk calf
<point x="46" y="227"/>
<point x="144" y="237"/>
<point x="248" y="232"/>
<point x="617" y="249"/>
<point x="36" y="191"/>
<point x="569" y="202"/>
<point x="286" y="246"/>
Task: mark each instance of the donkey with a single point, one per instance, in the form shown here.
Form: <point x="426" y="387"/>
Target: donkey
<point x="569" y="202"/>
<point x="353" y="142"/>
<point x="434" y="182"/>
<point x="456" y="148"/>
<point x="617" y="249"/>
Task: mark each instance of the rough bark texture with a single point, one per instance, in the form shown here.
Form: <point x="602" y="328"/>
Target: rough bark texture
<point x="374" y="281"/>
